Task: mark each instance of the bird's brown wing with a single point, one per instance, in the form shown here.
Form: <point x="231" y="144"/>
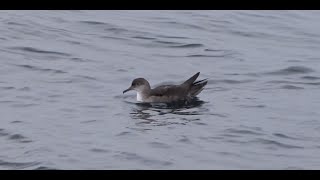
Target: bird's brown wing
<point x="166" y="90"/>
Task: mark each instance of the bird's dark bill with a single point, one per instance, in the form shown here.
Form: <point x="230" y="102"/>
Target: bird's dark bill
<point x="130" y="88"/>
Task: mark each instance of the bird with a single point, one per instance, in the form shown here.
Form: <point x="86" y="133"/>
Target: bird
<point x="167" y="93"/>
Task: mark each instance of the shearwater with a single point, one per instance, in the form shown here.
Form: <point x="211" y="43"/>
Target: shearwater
<point x="167" y="93"/>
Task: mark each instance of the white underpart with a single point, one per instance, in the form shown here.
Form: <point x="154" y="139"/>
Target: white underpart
<point x="139" y="96"/>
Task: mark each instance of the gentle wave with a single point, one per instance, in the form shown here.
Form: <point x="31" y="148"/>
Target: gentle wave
<point x="242" y="131"/>
<point x="293" y="82"/>
<point x="36" y="50"/>
<point x="292" y="70"/>
<point x="230" y="81"/>
<point x="291" y="87"/>
<point x="35" y="68"/>
<point x="310" y="77"/>
<point x="14" y="137"/>
<point x="17" y="165"/>
<point x="142" y="159"/>
<point x="276" y="143"/>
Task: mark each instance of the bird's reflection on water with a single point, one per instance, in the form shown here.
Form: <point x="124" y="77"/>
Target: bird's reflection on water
<point x="161" y="114"/>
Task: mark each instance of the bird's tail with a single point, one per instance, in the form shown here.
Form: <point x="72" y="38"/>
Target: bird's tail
<point x="190" y="81"/>
<point x="197" y="87"/>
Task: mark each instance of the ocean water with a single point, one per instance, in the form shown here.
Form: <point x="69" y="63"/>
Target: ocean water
<point x="62" y="74"/>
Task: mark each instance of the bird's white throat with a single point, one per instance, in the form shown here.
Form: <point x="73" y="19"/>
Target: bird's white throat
<point x="139" y="96"/>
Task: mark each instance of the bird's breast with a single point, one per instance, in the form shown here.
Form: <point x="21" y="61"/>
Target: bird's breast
<point x="139" y="96"/>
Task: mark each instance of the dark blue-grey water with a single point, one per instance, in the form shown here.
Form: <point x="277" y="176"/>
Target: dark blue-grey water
<point x="63" y="73"/>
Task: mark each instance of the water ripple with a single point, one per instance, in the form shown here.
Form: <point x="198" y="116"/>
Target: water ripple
<point x="292" y="70"/>
<point x="35" y="68"/>
<point x="141" y="159"/>
<point x="14" y="137"/>
<point x="275" y="143"/>
<point x="159" y="145"/>
<point x="44" y="168"/>
<point x="172" y="37"/>
<point x="35" y="50"/>
<point x="93" y="22"/>
<point x="19" y="138"/>
<point x="252" y="106"/>
<point x="7" y="88"/>
<point x="241" y="131"/>
<point x="230" y="81"/>
<point x="3" y="132"/>
<point x="284" y="136"/>
<point x="187" y="46"/>
<point x="98" y="150"/>
<point x="17" y="165"/>
<point x="291" y="87"/>
<point x="144" y="37"/>
<point x="293" y="82"/>
<point x="204" y="55"/>
<point x="310" y="77"/>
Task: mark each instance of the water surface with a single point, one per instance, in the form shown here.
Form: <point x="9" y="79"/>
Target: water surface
<point x="63" y="73"/>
